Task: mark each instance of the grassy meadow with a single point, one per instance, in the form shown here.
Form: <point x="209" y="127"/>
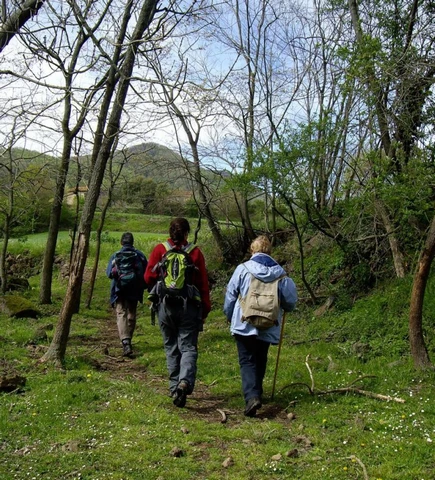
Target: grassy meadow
<point x="348" y="403"/>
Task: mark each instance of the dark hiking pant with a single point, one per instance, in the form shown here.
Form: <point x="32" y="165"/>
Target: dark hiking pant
<point x="180" y="325"/>
<point x="252" y="360"/>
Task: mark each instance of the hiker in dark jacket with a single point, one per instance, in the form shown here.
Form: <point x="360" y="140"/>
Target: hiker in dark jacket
<point x="180" y="320"/>
<point x="252" y="343"/>
<point x="125" y="300"/>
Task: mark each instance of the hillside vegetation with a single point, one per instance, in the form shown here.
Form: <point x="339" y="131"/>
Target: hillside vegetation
<point x="348" y="403"/>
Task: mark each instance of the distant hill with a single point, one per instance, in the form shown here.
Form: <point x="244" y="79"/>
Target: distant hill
<point x="165" y="165"/>
<point x="148" y="159"/>
<point x="154" y="150"/>
<point x="158" y="162"/>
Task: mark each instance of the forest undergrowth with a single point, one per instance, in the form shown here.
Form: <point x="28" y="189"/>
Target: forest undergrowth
<point x="347" y="403"/>
<point x="337" y="412"/>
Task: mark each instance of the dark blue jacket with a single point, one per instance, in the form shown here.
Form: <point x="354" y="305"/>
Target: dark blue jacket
<point x="135" y="293"/>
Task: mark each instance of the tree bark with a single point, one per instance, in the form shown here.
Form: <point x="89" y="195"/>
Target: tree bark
<point x="396" y="252"/>
<point x="53" y="227"/>
<point x="204" y="204"/>
<point x="7" y="211"/>
<point x="3" y="253"/>
<point x="372" y="83"/>
<point x="419" y="352"/>
<point x="17" y="19"/>
<point x="97" y="251"/>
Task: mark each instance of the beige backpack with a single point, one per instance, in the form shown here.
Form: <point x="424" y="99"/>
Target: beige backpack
<point x="260" y="307"/>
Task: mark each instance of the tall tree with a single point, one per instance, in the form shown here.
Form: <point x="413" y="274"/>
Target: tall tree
<point x="113" y="177"/>
<point x="263" y="50"/>
<point x="394" y="60"/>
<point x="191" y="106"/>
<point x="124" y="68"/>
<point x="22" y="175"/>
<point x="65" y="51"/>
<point x="418" y="346"/>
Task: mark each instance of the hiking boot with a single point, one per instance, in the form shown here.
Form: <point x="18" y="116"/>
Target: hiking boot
<point x="252" y="405"/>
<point x="180" y="394"/>
<point x="127" y="350"/>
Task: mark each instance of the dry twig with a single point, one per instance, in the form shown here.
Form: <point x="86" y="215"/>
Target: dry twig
<point x="352" y="457"/>
<point x="348" y="389"/>
<point x="223" y="414"/>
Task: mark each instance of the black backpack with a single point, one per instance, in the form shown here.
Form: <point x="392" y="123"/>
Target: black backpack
<point x="126" y="267"/>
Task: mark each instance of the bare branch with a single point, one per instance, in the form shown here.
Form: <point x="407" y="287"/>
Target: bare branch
<point x="17" y="19"/>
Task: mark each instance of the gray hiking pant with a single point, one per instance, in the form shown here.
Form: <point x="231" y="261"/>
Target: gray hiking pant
<point x="126" y="317"/>
<point x="180" y="328"/>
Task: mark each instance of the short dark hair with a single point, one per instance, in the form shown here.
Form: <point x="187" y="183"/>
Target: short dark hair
<point x="127" y="238"/>
<point x="178" y="229"/>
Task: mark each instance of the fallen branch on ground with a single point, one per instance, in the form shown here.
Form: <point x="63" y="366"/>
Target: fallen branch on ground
<point x="361" y="464"/>
<point x="301" y="342"/>
<point x="223" y="414"/>
<point x="348" y="389"/>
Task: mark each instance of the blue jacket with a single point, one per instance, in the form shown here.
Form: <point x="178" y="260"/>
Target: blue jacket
<point x="266" y="269"/>
<point x="134" y="294"/>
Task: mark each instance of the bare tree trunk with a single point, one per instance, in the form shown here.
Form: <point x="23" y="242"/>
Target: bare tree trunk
<point x="3" y="253"/>
<point x="192" y="125"/>
<point x="17" y="19"/>
<point x="419" y="352"/>
<point x="97" y="252"/>
<point x="205" y="204"/>
<point x="69" y="134"/>
<point x="53" y="227"/>
<point x="372" y="83"/>
<point x="399" y="263"/>
<point x="301" y="248"/>
<point x="57" y="349"/>
<point x="8" y="214"/>
<point x="113" y="180"/>
<point x="246" y="218"/>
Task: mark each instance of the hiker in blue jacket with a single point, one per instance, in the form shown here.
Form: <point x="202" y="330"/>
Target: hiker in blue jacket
<point x="127" y="263"/>
<point x="253" y="343"/>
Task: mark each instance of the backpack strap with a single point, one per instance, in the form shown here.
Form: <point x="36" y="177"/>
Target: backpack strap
<point x="167" y="245"/>
<point x="185" y="248"/>
<point x="189" y="247"/>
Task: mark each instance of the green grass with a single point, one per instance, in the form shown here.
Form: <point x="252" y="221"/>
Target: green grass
<point x="104" y="417"/>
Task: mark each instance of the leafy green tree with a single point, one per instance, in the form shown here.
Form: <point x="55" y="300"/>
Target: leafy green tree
<point x="139" y="190"/>
<point x="22" y="195"/>
<point x="392" y="56"/>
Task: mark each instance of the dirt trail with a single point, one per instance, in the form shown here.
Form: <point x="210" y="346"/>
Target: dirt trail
<point x="103" y="352"/>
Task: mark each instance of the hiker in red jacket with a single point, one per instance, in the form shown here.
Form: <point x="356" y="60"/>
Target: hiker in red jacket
<point x="176" y="277"/>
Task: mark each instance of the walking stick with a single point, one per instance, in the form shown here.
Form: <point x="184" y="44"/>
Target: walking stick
<point x="281" y="334"/>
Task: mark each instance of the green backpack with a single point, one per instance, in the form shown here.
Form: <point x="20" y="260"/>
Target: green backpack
<point x="175" y="276"/>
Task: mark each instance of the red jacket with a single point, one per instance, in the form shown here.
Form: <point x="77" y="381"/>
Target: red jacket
<point x="200" y="278"/>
